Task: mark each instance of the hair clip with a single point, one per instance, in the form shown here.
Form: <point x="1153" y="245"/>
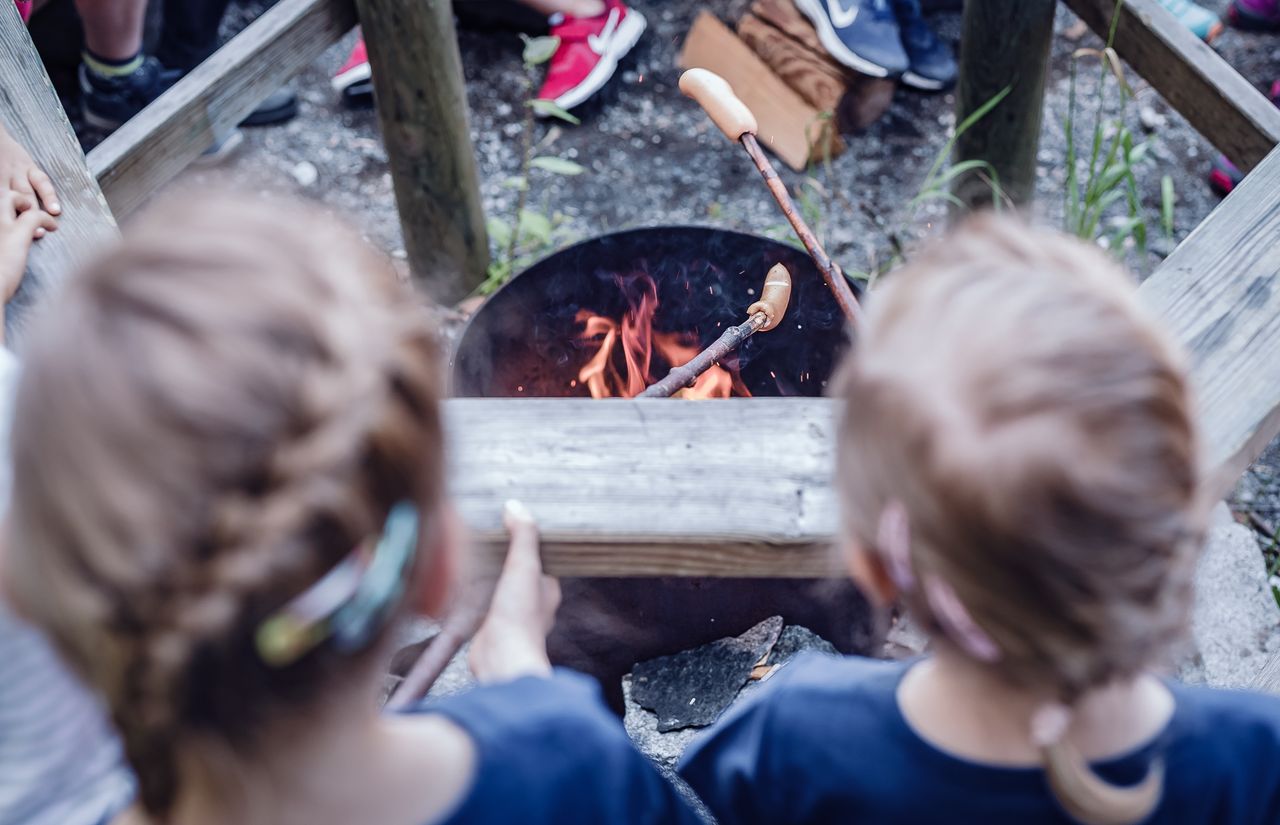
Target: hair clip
<point x="350" y="602"/>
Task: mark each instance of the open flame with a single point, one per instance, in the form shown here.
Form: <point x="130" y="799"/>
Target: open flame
<point x="624" y="363"/>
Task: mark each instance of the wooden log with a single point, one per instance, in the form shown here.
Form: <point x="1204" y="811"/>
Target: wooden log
<point x="632" y="487"/>
<point x="788" y="43"/>
<point x="32" y="114"/>
<point x="1005" y="46"/>
<point x="422" y="105"/>
<point x="1219" y="292"/>
<point x="793" y="129"/>
<point x="165" y="137"/>
<point x="1204" y="88"/>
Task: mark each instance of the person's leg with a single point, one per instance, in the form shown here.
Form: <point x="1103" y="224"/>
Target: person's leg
<point x="190" y="32"/>
<point x="572" y="8"/>
<point x="116" y="79"/>
<point x="113" y="29"/>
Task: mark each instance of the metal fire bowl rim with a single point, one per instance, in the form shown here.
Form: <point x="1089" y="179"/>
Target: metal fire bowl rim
<point x="635" y="230"/>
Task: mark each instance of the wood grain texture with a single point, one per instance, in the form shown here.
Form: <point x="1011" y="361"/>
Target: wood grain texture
<point x="422" y="106"/>
<point x="788" y="43"/>
<point x="636" y="488"/>
<point x="31" y="113"/>
<point x="789" y="126"/>
<point x="1219" y="292"/>
<point x="164" y="138"/>
<point x="1005" y="45"/>
<point x="1191" y="76"/>
<point x="1268" y="680"/>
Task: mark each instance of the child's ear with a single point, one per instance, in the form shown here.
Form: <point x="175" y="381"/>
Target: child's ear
<point x="438" y="552"/>
<point x="869" y="573"/>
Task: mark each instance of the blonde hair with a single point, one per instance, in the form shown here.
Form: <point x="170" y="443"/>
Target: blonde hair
<point x="1011" y="396"/>
<point x="215" y="414"/>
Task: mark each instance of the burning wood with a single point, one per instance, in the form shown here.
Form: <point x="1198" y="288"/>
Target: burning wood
<point x="764" y="315"/>
<point x="606" y="375"/>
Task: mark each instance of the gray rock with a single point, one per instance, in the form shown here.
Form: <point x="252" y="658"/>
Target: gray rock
<point x="665" y="748"/>
<point x="692" y="688"/>
<point x="1235" y="623"/>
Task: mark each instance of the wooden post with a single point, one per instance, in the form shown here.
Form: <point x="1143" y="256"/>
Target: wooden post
<point x="422" y="105"/>
<point x="1005" y="45"/>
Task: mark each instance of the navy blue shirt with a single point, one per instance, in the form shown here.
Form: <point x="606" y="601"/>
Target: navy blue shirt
<point x="548" y="751"/>
<point x="825" y="741"/>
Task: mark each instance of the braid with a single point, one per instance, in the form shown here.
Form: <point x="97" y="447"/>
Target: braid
<point x="205" y="430"/>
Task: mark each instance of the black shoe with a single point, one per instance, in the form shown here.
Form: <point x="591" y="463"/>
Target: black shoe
<point x="280" y="105"/>
<point x="110" y="101"/>
<point x="933" y="65"/>
<point x="861" y="34"/>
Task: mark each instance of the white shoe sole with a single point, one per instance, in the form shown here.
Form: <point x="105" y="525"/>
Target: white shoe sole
<point x="623" y="41"/>
<point x="351" y="77"/>
<point x="922" y="83"/>
<point x="831" y="41"/>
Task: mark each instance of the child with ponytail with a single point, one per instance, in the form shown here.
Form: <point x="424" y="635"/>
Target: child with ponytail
<point x="228" y="486"/>
<point x="1017" y="465"/>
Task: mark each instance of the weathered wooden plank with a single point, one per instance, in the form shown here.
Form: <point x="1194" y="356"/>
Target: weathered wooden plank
<point x="1219" y="292"/>
<point x="30" y="111"/>
<point x="790" y="127"/>
<point x="1005" y="46"/>
<point x="422" y="105"/>
<point x="1268" y="680"/>
<point x="740" y="487"/>
<point x="1204" y="88"/>
<point x="164" y="138"/>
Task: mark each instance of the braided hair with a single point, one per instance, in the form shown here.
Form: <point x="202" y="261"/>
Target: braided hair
<point x="214" y="416"/>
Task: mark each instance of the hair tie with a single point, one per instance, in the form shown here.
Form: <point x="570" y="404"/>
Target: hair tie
<point x="350" y="602"/>
<point x="956" y="622"/>
<point x="893" y="535"/>
<point x="1049" y="724"/>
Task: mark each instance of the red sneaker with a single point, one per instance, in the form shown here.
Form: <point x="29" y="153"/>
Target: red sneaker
<point x="354" y="81"/>
<point x="590" y="48"/>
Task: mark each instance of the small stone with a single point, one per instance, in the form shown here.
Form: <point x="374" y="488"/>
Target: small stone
<point x="692" y="688"/>
<point x="305" y="173"/>
<point x="1151" y="119"/>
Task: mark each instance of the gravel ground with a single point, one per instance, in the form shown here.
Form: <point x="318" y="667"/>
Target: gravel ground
<point x="653" y="158"/>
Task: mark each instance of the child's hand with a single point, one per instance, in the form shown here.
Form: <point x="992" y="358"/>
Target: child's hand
<point x="20" y="174"/>
<point x="512" y="642"/>
<point x="21" y="222"/>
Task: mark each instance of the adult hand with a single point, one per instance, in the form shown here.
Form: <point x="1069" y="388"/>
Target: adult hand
<point x="512" y="642"/>
<point x="20" y="174"/>
<point x="21" y="222"/>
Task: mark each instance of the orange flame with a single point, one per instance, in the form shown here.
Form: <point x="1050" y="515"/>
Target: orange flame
<point x="604" y="377"/>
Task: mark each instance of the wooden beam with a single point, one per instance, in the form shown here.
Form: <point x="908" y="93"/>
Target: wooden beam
<point x="422" y="104"/>
<point x="1204" y="88"/>
<point x="164" y="138"/>
<point x="1268" y="679"/>
<point x="1219" y="292"/>
<point x="32" y="114"/>
<point x="740" y="487"/>
<point x="1005" y="45"/>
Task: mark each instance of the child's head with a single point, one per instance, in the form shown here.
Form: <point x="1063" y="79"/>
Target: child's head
<point x="1018" y="459"/>
<point x="214" y="417"/>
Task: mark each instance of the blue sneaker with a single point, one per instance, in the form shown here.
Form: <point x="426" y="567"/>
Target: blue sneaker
<point x="110" y="101"/>
<point x="861" y="34"/>
<point x="933" y="65"/>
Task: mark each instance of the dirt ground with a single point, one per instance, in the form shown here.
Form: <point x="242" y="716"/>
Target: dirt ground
<point x="653" y="158"/>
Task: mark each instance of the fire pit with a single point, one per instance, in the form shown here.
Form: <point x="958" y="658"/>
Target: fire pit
<point x="606" y="318"/>
<point x="609" y="316"/>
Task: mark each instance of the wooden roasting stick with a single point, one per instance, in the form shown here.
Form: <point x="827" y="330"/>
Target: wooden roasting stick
<point x="716" y="97"/>
<point x="763" y="316"/>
